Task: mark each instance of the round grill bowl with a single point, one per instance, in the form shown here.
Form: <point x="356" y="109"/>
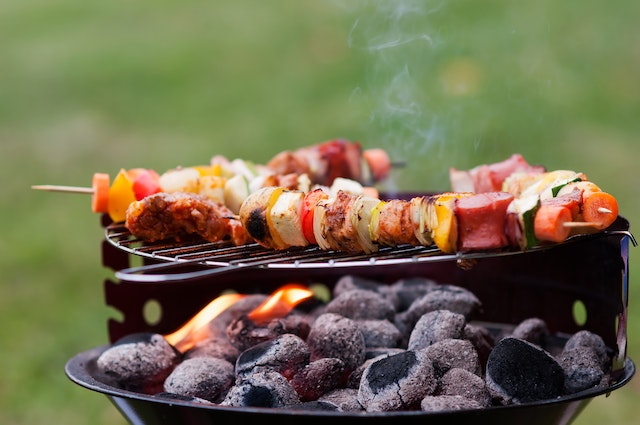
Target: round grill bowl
<point x="146" y="409"/>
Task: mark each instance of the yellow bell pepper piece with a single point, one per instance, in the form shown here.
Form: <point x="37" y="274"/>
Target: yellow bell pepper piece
<point x="120" y="196"/>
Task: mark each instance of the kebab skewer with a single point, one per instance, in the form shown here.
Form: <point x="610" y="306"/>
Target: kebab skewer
<point x="230" y="182"/>
<point x="454" y="222"/>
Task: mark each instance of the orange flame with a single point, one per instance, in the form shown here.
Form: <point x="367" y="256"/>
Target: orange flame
<point x="280" y="303"/>
<point x="189" y="334"/>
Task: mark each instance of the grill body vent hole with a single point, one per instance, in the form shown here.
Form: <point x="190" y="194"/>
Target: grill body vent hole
<point x="579" y="313"/>
<point x="152" y="312"/>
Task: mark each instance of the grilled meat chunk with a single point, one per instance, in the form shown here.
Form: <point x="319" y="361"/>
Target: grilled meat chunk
<point x="172" y="215"/>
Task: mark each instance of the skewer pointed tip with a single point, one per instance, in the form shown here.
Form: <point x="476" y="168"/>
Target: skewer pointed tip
<point x="603" y="210"/>
<point x="66" y="189"/>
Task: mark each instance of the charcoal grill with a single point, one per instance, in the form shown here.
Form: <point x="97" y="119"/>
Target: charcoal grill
<point x="588" y="271"/>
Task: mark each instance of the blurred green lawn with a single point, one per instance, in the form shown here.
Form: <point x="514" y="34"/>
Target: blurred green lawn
<point x="96" y="86"/>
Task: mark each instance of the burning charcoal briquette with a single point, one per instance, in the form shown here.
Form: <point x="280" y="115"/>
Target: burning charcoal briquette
<point x="582" y="369"/>
<point x="344" y="399"/>
<point x="333" y="335"/>
<point x="286" y="354"/>
<point x="379" y="333"/>
<point x="463" y="383"/>
<point x="371" y="352"/>
<point x="218" y="326"/>
<point x="397" y="382"/>
<point x="244" y="333"/>
<point x="519" y="372"/>
<point x="317" y="378"/>
<point x="361" y="304"/>
<point x="202" y="377"/>
<point x="262" y="387"/>
<point x="533" y="330"/>
<point x="139" y="362"/>
<point x="453" y="353"/>
<point x="436" y="326"/>
<point x="443" y="403"/>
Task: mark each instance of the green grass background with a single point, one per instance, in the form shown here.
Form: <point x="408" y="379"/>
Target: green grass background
<point x="91" y="86"/>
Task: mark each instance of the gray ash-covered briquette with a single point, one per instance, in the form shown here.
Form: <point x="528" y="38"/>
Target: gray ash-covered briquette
<point x="533" y="330"/>
<point x="208" y="378"/>
<point x="139" y="362"/>
<point x="218" y="347"/>
<point x="588" y="339"/>
<point x="244" y="333"/>
<point x="463" y="383"/>
<point x="397" y="382"/>
<point x="349" y="282"/>
<point x="444" y="297"/>
<point x="361" y="304"/>
<point x="379" y="333"/>
<point x="582" y="369"/>
<point x="333" y="335"/>
<point x="453" y="353"/>
<point x="443" y="403"/>
<point x="318" y="378"/>
<point x="409" y="289"/>
<point x="344" y="399"/>
<point x="436" y="326"/>
<point x="482" y="339"/>
<point x="286" y="354"/>
<point x="262" y="387"/>
<point x="520" y="372"/>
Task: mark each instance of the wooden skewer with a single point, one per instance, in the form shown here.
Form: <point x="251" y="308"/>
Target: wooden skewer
<point x="67" y="189"/>
<point x="580" y="224"/>
<point x="603" y="210"/>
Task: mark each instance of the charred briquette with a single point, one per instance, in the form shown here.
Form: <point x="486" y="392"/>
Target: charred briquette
<point x="443" y="403"/>
<point x="333" y="335"/>
<point x="139" y="362"/>
<point x="594" y="341"/>
<point x="262" y="387"/>
<point x="344" y="399"/>
<point x="520" y="372"/>
<point x="463" y="383"/>
<point x="318" y="378"/>
<point x="533" y="330"/>
<point x="353" y="381"/>
<point x="286" y="354"/>
<point x="379" y="333"/>
<point x="361" y="304"/>
<point x="349" y="282"/>
<point x="244" y="333"/>
<point x="582" y="369"/>
<point x="453" y="353"/>
<point x="219" y="348"/>
<point x="202" y="377"/>
<point x="397" y="382"/>
<point x="436" y="326"/>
